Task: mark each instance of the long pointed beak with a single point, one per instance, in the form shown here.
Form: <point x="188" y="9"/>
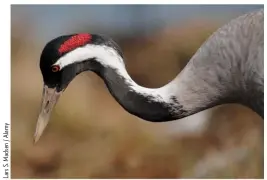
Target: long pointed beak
<point x="49" y="100"/>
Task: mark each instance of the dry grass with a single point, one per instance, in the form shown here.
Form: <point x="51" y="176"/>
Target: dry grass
<point x="91" y="136"/>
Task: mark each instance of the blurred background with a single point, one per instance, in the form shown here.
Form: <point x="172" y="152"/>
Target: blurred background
<point x="90" y="135"/>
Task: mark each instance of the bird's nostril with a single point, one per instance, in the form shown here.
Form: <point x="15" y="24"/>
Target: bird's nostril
<point x="46" y="105"/>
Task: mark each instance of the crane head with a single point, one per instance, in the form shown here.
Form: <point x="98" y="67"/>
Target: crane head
<point x="56" y="79"/>
<point x="61" y="60"/>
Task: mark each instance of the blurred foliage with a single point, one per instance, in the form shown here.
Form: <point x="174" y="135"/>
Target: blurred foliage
<point x="91" y="136"/>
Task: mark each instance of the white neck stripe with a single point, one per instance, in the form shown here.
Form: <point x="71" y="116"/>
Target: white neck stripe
<point x="109" y="57"/>
<point x="105" y="55"/>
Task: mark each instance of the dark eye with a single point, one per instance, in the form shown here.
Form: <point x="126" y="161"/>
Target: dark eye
<point x="55" y="68"/>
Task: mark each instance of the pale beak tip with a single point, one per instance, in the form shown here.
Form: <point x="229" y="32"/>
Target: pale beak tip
<point x="35" y="138"/>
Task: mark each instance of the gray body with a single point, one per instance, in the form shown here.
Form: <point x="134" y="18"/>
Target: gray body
<point x="229" y="65"/>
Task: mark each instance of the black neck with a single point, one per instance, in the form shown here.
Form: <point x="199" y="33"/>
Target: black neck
<point x="135" y="103"/>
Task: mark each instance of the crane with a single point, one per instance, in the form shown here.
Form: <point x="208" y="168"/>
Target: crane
<point x="227" y="68"/>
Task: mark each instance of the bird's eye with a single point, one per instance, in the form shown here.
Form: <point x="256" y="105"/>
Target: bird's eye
<point x="55" y="68"/>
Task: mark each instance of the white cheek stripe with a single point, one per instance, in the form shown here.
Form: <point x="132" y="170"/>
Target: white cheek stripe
<point x="105" y="55"/>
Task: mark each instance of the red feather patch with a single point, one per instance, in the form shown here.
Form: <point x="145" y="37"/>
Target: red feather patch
<point x="74" y="42"/>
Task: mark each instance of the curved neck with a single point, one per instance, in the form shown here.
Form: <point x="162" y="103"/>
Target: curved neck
<point x="178" y="99"/>
<point x="206" y="81"/>
<point x="150" y="104"/>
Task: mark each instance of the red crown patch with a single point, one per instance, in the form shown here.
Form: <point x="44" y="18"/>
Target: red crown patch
<point x="74" y="42"/>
